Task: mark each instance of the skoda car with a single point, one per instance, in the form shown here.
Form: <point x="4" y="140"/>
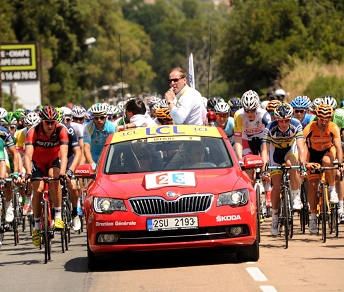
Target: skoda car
<point x="169" y="187"/>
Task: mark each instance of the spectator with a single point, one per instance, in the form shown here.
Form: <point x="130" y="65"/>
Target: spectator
<point x="185" y="103"/>
<point x="195" y="152"/>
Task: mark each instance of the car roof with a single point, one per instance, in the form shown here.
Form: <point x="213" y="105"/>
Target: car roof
<point x="165" y="131"/>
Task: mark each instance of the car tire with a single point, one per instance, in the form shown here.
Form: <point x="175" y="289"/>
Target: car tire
<point x="92" y="262"/>
<point x="249" y="253"/>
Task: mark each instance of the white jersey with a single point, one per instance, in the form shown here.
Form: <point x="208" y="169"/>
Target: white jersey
<point x="79" y="130"/>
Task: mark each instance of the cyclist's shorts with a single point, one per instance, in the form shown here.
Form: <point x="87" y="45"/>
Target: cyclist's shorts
<point x="251" y="147"/>
<point x="40" y="170"/>
<point x="278" y="156"/>
<point x="316" y="157"/>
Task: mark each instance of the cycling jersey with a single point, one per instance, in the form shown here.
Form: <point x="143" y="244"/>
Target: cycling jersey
<point x="279" y="139"/>
<point x="338" y="117"/>
<point x="47" y="149"/>
<point x="307" y="119"/>
<point x="247" y="129"/>
<point x="96" y="138"/>
<point x="6" y="137"/>
<point x="21" y="138"/>
<point x="318" y="140"/>
<point x="72" y="138"/>
<point x="79" y="130"/>
<point x="2" y="150"/>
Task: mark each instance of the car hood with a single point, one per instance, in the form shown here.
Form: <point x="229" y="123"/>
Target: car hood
<point x="134" y="185"/>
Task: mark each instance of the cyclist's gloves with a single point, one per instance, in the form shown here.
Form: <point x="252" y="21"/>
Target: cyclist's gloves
<point x="313" y="166"/>
<point x="28" y="176"/>
<point x="15" y="175"/>
<point x="62" y="176"/>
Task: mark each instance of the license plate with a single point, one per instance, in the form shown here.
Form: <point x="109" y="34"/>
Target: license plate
<point x="172" y="223"/>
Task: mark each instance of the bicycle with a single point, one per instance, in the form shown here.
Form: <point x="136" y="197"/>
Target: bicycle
<point x="324" y="205"/>
<point x="304" y="212"/>
<point x="285" y="216"/>
<point x="46" y="225"/>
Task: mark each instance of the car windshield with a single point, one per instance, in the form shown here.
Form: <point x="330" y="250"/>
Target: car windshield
<point x="170" y="153"/>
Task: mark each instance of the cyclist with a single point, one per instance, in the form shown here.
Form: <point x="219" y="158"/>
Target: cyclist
<point x="30" y="120"/>
<point x="271" y="106"/>
<point x="213" y="101"/>
<point x="283" y="142"/>
<point x="300" y="106"/>
<point x="162" y="113"/>
<point x="322" y="138"/>
<point x="74" y="157"/>
<point x="249" y="125"/>
<point x="46" y="151"/>
<point x="223" y="120"/>
<point x="235" y="105"/>
<point x="79" y="115"/>
<point x="152" y="101"/>
<point x="96" y="133"/>
<point x="314" y="104"/>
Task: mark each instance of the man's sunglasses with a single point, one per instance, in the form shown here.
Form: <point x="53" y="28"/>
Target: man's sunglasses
<point x="325" y="121"/>
<point x="175" y="80"/>
<point x="78" y="119"/>
<point x="45" y="122"/>
<point x="251" y="111"/>
<point x="142" y="157"/>
<point x="10" y="127"/>
<point x="283" y="120"/>
<point x="299" y="111"/>
<point x="99" y="118"/>
<point x="223" y="116"/>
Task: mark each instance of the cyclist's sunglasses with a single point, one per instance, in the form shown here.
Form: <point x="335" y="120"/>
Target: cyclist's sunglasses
<point x="283" y="120"/>
<point x="325" y="121"/>
<point x="299" y="111"/>
<point x="223" y="116"/>
<point x="102" y="118"/>
<point x="250" y="111"/>
<point x="46" y="122"/>
<point x="78" y="119"/>
<point x="10" y="127"/>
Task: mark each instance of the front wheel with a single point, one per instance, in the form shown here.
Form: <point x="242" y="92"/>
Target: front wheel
<point x="258" y="211"/>
<point x="324" y="213"/>
<point x="285" y="217"/>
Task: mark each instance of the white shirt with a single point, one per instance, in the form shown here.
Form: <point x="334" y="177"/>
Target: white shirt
<point x="189" y="109"/>
<point x="79" y="130"/>
<point x="142" y="120"/>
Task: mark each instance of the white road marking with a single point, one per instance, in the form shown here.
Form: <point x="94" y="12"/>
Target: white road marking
<point x="256" y="274"/>
<point x="268" y="288"/>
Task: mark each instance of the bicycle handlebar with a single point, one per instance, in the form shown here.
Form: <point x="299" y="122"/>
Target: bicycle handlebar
<point x="273" y="167"/>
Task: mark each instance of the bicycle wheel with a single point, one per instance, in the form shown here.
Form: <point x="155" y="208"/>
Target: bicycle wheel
<point x="69" y="219"/>
<point x="15" y="218"/>
<point x="65" y="229"/>
<point x="258" y="211"/>
<point x="46" y="236"/>
<point x="290" y="215"/>
<point x="333" y="219"/>
<point x="304" y="213"/>
<point x="324" y="213"/>
<point x="285" y="215"/>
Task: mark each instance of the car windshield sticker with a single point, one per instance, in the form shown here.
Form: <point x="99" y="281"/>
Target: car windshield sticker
<point x="164" y="179"/>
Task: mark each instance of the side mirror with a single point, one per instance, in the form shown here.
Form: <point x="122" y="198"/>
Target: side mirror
<point x="252" y="161"/>
<point x="84" y="171"/>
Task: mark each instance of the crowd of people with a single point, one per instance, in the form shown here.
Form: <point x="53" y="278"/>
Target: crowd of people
<point x="53" y="141"/>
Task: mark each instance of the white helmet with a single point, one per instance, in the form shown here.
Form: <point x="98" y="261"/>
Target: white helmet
<point x="161" y="104"/>
<point x="330" y="100"/>
<point x="153" y="100"/>
<point x="112" y="109"/>
<point x="121" y="106"/>
<point x="99" y="109"/>
<point x="222" y="107"/>
<point x="78" y="112"/>
<point x="32" y="119"/>
<point x="250" y="100"/>
<point x="315" y="103"/>
<point x="66" y="111"/>
<point x="3" y="113"/>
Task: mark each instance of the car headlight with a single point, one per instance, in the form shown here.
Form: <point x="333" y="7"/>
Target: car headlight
<point x="233" y="199"/>
<point x="108" y="205"/>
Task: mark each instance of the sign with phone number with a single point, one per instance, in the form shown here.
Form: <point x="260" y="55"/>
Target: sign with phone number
<point x="173" y="178"/>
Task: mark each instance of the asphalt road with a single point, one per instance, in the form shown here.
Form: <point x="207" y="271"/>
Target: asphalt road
<point x="307" y="265"/>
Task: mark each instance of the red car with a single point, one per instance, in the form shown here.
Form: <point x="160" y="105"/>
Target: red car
<point x="170" y="187"/>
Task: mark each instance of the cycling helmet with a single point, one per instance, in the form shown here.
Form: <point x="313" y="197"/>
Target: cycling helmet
<point x="153" y="100"/>
<point x="66" y="111"/>
<point x="222" y="107"/>
<point x="9" y="119"/>
<point x="78" y="112"/>
<point x="250" y="100"/>
<point x="300" y="102"/>
<point x="213" y="101"/>
<point x="324" y="111"/>
<point x="32" y="119"/>
<point x="121" y="106"/>
<point x="60" y="115"/>
<point x="111" y="110"/>
<point x="314" y="104"/>
<point x="271" y="106"/>
<point x="234" y="103"/>
<point x="161" y="104"/>
<point x="283" y="111"/>
<point x="99" y="109"/>
<point x="163" y="114"/>
<point x="330" y="100"/>
<point x="48" y="112"/>
<point x="19" y="114"/>
<point x="342" y="104"/>
<point x="280" y="93"/>
<point x="3" y="113"/>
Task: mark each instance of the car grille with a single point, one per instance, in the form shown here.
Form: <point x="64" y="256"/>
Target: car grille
<point x="160" y="206"/>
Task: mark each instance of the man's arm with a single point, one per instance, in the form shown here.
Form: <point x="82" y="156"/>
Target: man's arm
<point x="238" y="146"/>
<point x="15" y="156"/>
<point x="87" y="153"/>
<point x="28" y="158"/>
<point x="77" y="157"/>
<point x="63" y="158"/>
<point x="300" y="143"/>
<point x="338" y="145"/>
